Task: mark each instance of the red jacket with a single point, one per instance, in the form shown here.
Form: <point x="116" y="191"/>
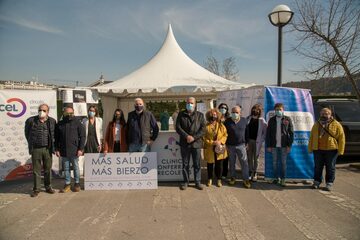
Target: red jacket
<point x="110" y="138"/>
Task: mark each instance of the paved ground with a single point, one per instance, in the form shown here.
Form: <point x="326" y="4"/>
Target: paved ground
<point x="264" y="212"/>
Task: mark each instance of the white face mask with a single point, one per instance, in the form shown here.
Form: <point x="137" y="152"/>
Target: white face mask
<point x="42" y="114"/>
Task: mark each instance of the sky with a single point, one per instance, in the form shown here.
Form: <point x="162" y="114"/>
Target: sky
<point x="65" y="41"/>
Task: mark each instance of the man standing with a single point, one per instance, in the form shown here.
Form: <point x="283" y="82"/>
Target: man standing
<point x="142" y="128"/>
<point x="190" y="125"/>
<point x="279" y="139"/>
<point x="70" y="143"/>
<point x="39" y="133"/>
<point x="236" y="143"/>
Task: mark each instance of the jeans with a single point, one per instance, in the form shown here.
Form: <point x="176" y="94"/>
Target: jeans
<point x="134" y="147"/>
<point x="277" y="153"/>
<point x="38" y="156"/>
<point x="75" y="163"/>
<point x="185" y="155"/>
<point x="325" y="158"/>
<point x="240" y="152"/>
<point x="252" y="156"/>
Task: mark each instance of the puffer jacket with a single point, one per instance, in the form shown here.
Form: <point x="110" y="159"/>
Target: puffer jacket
<point x="337" y="143"/>
<point x="221" y="135"/>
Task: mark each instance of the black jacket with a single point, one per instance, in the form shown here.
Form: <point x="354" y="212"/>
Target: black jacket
<point x="287" y="132"/>
<point x="193" y="125"/>
<point x="69" y="137"/>
<point x="30" y="128"/>
<point x="148" y="129"/>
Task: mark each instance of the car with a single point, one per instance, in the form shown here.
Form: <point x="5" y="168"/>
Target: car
<point x="347" y="112"/>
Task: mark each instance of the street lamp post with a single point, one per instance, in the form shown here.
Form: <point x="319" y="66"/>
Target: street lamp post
<point x="279" y="17"/>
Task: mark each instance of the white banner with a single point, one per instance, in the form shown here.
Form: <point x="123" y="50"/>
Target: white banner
<point x="246" y="98"/>
<point x="120" y="171"/>
<point x="169" y="157"/>
<point x="15" y="107"/>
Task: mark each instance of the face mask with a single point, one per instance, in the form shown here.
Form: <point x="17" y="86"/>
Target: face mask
<point x="222" y="111"/>
<point x="42" y="114"/>
<point x="278" y="113"/>
<point x="255" y="113"/>
<point x="213" y="118"/>
<point x="91" y="114"/>
<point x="190" y="107"/>
<point x="324" y="118"/>
<point x="139" y="108"/>
<point x="68" y="116"/>
<point x="235" y="116"/>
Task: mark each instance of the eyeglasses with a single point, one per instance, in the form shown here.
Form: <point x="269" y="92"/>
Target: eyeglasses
<point x="42" y="110"/>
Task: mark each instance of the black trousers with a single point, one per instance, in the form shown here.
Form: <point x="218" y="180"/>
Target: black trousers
<point x="225" y="165"/>
<point x="218" y="169"/>
<point x="117" y="147"/>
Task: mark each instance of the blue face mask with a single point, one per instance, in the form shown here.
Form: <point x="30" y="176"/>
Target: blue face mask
<point x="222" y="111"/>
<point x="190" y="107"/>
<point x="235" y="116"/>
<point x="279" y="113"/>
<point x="91" y="114"/>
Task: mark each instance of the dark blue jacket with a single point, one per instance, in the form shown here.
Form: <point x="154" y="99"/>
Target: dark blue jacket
<point x="141" y="128"/>
<point x="287" y="132"/>
<point x="69" y="137"/>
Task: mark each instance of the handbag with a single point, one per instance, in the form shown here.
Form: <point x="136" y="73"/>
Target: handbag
<point x="219" y="149"/>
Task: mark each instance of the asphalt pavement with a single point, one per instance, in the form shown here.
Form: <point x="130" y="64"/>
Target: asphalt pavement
<point x="266" y="211"/>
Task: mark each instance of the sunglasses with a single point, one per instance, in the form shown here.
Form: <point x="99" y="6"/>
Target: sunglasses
<point x="42" y="110"/>
<point x="224" y="108"/>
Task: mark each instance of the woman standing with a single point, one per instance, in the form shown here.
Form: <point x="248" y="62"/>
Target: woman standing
<point x="224" y="110"/>
<point x="214" y="145"/>
<point x="94" y="131"/>
<point x="115" y="137"/>
<point x="327" y="141"/>
<point x="256" y="128"/>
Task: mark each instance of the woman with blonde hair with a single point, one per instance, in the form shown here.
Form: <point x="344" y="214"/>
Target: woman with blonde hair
<point x="214" y="145"/>
<point x="327" y="141"/>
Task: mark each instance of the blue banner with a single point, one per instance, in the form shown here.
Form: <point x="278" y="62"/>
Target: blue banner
<point x="298" y="106"/>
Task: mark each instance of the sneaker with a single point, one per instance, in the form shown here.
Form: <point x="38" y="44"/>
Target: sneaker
<point x="315" y="185"/>
<point x="247" y="184"/>
<point x="254" y="178"/>
<point x="275" y="181"/>
<point x="328" y="187"/>
<point x="232" y="181"/>
<point x="183" y="186"/>
<point x="198" y="186"/>
<point x="283" y="183"/>
<point x="219" y="183"/>
<point x="50" y="190"/>
<point x="209" y="183"/>
<point x="34" y="194"/>
<point x="77" y="187"/>
<point x="67" y="188"/>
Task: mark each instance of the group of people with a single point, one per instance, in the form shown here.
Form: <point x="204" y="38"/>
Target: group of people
<point x="223" y="133"/>
<point x="71" y="137"/>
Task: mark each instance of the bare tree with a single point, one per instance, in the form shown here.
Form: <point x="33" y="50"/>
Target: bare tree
<point x="212" y="65"/>
<point x="329" y="35"/>
<point x="227" y="70"/>
<point x="230" y="71"/>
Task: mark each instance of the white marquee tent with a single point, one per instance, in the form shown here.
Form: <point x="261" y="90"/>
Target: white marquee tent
<point x="170" y="70"/>
<point x="168" y="76"/>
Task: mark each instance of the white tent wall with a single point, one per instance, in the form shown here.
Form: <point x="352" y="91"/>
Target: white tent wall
<point x="111" y="102"/>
